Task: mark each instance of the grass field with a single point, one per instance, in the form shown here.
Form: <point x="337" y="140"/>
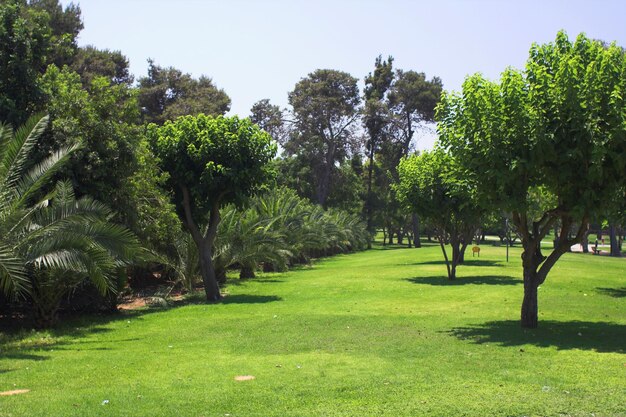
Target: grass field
<point x="377" y="333"/>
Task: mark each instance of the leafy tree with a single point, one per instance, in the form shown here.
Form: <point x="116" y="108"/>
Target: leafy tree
<point x="325" y="107"/>
<point x="65" y="24"/>
<point x="104" y="118"/>
<point x="167" y="93"/>
<point x="24" y="44"/>
<point x="270" y="118"/>
<point x="376" y="119"/>
<point x="90" y="62"/>
<point x="32" y="35"/>
<point x="211" y="162"/>
<point x="559" y="127"/>
<point x="152" y="215"/>
<point x="428" y="186"/>
<point x="412" y="102"/>
<point x="295" y="172"/>
<point x="50" y="244"/>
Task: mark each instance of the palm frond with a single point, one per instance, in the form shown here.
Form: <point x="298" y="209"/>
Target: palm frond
<point x="16" y="149"/>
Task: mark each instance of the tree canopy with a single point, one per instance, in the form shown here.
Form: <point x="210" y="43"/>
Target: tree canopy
<point x="558" y="127"/>
<point x="211" y="161"/>
<point x="167" y="93"/>
<point x="429" y="186"/>
<point x="325" y="107"/>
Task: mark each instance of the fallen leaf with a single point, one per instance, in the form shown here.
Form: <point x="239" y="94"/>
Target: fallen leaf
<point x="244" y="378"/>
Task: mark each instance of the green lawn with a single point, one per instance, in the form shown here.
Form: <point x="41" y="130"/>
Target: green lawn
<point x="369" y="334"/>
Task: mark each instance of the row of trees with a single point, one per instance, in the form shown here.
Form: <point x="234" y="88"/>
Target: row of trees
<point x="543" y="147"/>
<point x="341" y="147"/>
<point x="546" y="146"/>
<point x="161" y="154"/>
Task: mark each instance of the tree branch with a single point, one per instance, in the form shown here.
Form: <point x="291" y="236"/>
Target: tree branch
<point x="188" y="221"/>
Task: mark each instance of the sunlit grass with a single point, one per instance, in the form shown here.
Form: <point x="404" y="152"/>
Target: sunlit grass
<point x="375" y="333"/>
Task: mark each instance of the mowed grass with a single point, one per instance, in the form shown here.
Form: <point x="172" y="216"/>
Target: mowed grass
<point x="377" y="333"/>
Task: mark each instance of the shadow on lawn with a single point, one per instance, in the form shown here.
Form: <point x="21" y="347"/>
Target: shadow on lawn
<point x="468" y="262"/>
<point x="242" y="282"/>
<point x="19" y="343"/>
<point x="482" y="280"/>
<point x="249" y="299"/>
<point x="613" y="292"/>
<point x="584" y="335"/>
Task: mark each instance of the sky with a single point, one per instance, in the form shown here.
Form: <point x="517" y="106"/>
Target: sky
<point x="261" y="49"/>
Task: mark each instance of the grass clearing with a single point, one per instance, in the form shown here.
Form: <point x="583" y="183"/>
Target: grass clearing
<point x="380" y="332"/>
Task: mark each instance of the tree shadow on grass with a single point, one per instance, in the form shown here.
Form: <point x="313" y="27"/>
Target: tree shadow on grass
<point x="468" y="262"/>
<point x="17" y="342"/>
<point x="24" y="356"/>
<point x="199" y="299"/>
<point x="613" y="292"/>
<point x="241" y="282"/>
<point x="564" y="335"/>
<point x="482" y="280"/>
<point x="249" y="299"/>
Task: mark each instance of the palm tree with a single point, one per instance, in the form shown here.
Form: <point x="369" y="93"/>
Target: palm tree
<point x="247" y="239"/>
<point x="50" y="242"/>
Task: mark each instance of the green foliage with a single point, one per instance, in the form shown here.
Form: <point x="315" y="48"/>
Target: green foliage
<point x="50" y="243"/>
<point x="65" y="24"/>
<point x="279" y="229"/>
<point x="430" y="186"/>
<point x="167" y="93"/>
<point x="32" y="35"/>
<point x="24" y="43"/>
<point x="91" y="62"/>
<point x="558" y="125"/>
<point x="325" y="107"/>
<point x="220" y="159"/>
<point x="152" y="215"/>
<point x="546" y="144"/>
<point x="103" y="117"/>
<point x="269" y="118"/>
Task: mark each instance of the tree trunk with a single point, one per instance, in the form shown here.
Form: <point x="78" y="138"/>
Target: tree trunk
<point x="400" y="234"/>
<point x="456" y="252"/>
<point x="536" y="266"/>
<point x="368" y="209"/>
<point x="532" y="258"/>
<point x="204" y="244"/>
<point x="450" y="266"/>
<point x="415" y="223"/>
<point x="530" y="307"/>
<point x="209" y="279"/>
<point x="585" y="242"/>
<point x="45" y="318"/>
<point x="615" y="250"/>
<point x="246" y="272"/>
<point x="461" y="259"/>
<point x="220" y="276"/>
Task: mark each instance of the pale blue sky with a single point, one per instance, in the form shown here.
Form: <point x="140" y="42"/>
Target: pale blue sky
<point x="260" y="49"/>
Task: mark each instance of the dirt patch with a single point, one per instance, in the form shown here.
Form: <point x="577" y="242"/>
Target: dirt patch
<point x="132" y="304"/>
<point x="14" y="392"/>
<point x="244" y="378"/>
